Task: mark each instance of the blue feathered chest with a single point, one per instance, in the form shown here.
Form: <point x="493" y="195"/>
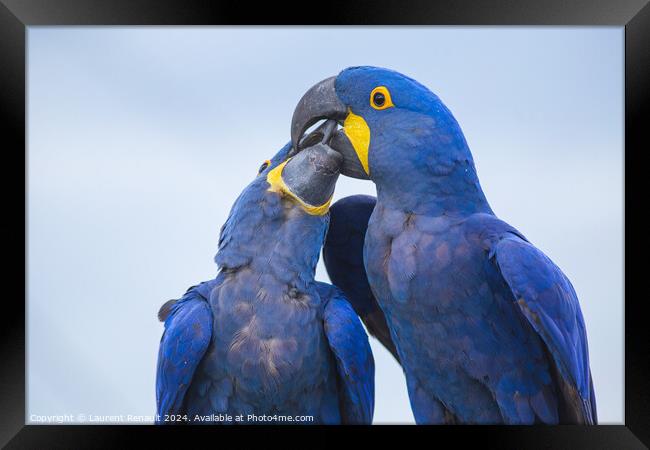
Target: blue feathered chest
<point x="268" y="353"/>
<point x="451" y="315"/>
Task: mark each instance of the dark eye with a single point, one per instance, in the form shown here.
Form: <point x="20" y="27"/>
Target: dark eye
<point x="263" y="167"/>
<point x="380" y="98"/>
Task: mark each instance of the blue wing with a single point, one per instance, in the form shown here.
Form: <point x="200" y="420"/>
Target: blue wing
<point x="548" y="301"/>
<point x="343" y="258"/>
<point x="354" y="362"/>
<point x="188" y="329"/>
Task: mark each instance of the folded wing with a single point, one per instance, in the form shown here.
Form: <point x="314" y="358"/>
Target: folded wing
<point x="343" y="258"/>
<point x="548" y="301"/>
<point x="188" y="329"/>
<point x="354" y="362"/>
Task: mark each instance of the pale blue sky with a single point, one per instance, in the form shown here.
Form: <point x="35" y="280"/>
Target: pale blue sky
<point x="140" y="139"/>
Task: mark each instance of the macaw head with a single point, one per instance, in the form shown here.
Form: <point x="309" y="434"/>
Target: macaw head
<point x="306" y="176"/>
<point x="287" y="202"/>
<point x="395" y="131"/>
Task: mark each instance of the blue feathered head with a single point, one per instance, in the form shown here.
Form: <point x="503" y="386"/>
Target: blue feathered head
<point x="395" y="131"/>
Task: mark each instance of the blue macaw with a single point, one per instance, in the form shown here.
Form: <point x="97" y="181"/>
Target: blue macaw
<point x="487" y="328"/>
<point x="264" y="338"/>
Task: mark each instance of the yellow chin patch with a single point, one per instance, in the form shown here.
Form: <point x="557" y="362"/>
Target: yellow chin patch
<point x="277" y="184"/>
<point x="358" y="132"/>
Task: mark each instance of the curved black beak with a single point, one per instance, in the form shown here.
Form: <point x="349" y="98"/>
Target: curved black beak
<point x="321" y="135"/>
<point x="312" y="173"/>
<point x="321" y="102"/>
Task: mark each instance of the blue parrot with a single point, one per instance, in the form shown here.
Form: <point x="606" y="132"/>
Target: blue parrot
<point x="264" y="338"/>
<point x="487" y="328"/>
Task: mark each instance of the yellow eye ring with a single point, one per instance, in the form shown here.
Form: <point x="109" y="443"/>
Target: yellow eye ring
<point x="380" y="98"/>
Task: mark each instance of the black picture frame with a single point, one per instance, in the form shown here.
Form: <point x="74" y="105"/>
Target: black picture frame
<point x="17" y="15"/>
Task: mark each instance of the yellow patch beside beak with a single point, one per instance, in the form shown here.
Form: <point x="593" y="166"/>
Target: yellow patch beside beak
<point x="274" y="178"/>
<point x="358" y="132"/>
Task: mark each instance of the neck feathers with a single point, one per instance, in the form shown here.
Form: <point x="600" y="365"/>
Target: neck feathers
<point x="432" y="171"/>
<point x="268" y="233"/>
